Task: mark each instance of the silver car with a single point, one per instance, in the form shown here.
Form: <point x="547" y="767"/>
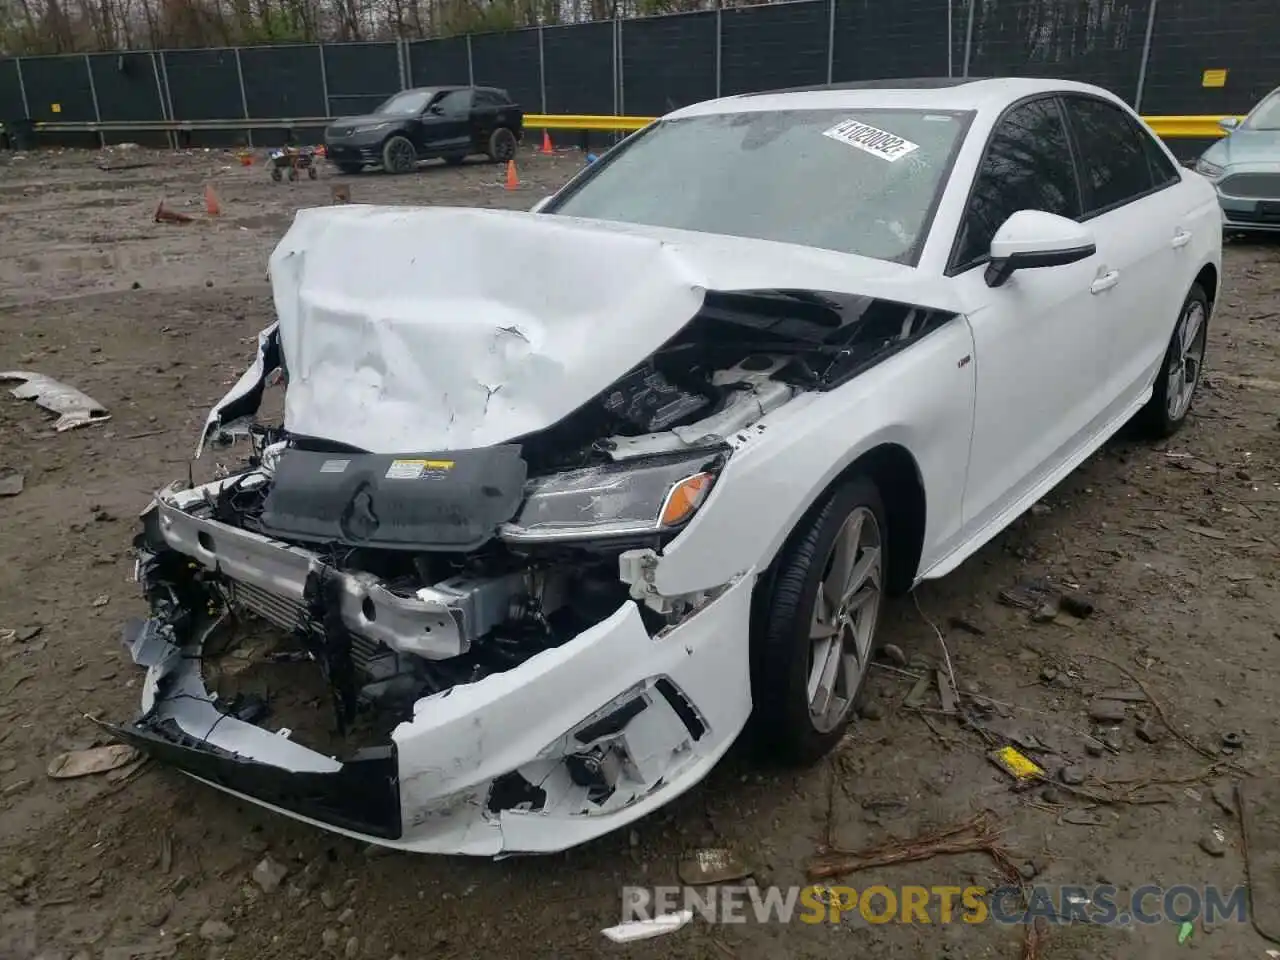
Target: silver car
<point x="1245" y="167"/>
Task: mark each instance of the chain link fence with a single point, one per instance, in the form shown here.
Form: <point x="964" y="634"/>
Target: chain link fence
<point x="1162" y="56"/>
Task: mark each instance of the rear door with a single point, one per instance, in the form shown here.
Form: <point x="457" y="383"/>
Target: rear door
<point x="493" y="109"/>
<point x="1138" y="211"/>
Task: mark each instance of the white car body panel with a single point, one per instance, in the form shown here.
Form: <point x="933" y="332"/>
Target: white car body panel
<point x="366" y="294"/>
<point x="401" y="332"/>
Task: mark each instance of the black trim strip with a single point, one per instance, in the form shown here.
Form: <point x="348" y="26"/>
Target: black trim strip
<point x="362" y="796"/>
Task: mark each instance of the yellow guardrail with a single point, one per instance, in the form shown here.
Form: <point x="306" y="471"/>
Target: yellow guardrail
<point x="1171" y="127"/>
<point x="1185" y="127"/>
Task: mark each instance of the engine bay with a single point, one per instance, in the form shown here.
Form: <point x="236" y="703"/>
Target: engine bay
<point x="406" y="575"/>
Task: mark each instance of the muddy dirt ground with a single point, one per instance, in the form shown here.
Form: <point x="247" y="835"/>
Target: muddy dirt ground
<point x="1176" y="545"/>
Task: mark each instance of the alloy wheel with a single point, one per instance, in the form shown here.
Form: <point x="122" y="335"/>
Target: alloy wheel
<point x="843" y="622"/>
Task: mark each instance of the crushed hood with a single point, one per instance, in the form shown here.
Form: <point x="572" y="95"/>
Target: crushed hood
<point x="424" y="329"/>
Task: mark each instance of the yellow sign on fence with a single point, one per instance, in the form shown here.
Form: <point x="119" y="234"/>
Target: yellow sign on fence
<point x="1214" y="78"/>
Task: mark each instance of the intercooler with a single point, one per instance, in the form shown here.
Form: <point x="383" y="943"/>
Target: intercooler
<point x="289" y="615"/>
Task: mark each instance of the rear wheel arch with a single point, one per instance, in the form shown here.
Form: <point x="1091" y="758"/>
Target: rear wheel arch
<point x="1207" y="278"/>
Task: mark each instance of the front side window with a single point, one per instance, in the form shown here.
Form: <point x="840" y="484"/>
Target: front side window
<point x="454" y="102"/>
<point x="1114" y="163"/>
<point x="858" y="181"/>
<point x="1027" y="166"/>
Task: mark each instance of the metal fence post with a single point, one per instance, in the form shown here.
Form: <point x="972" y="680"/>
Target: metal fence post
<point x="324" y="81"/>
<point x="1146" y="55"/>
<point x="408" y="63"/>
<point x="831" y="41"/>
<point x="22" y="88"/>
<point x="400" y="71"/>
<point x="615" y="66"/>
<point x="951" y="67"/>
<point x="166" y="109"/>
<point x="719" y="44"/>
<point x="471" y="66"/>
<point x="968" y="37"/>
<point x="622" y="88"/>
<point x="93" y="94"/>
<point x="244" y="98"/>
<point x="168" y="98"/>
<point x="542" y="70"/>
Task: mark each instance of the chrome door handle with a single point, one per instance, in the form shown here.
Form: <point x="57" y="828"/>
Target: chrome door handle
<point x="1105" y="282"/>
<point x="1180" y="239"/>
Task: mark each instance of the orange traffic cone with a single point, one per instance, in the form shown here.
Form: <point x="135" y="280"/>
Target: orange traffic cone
<point x="547" y="148"/>
<point x="513" y="181"/>
<point x="212" y="206"/>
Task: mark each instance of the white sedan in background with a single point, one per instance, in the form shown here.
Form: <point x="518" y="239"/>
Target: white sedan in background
<point x="562" y="499"/>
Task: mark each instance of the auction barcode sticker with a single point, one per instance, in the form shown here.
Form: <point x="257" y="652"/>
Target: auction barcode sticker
<point x="872" y="140"/>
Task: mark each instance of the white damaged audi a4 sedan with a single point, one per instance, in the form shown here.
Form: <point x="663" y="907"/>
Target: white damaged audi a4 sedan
<point x="561" y="499"/>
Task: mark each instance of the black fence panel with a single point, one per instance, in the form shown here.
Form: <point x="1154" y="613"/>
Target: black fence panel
<point x="438" y="62"/>
<point x="126" y="87"/>
<point x="58" y="88"/>
<point x="283" y="81"/>
<point x="510" y="60"/>
<point x="1192" y="36"/>
<point x="361" y="76"/>
<point x="667" y="62"/>
<point x="579" y="68"/>
<point x="774" y="46"/>
<point x="11" y="107"/>
<point x="203" y="84"/>
<point x="1095" y="41"/>
<point x="907" y="38"/>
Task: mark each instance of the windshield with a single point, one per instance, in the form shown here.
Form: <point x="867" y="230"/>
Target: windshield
<point x="1266" y="115"/>
<point x="862" y="181"/>
<point x="407" y="104"/>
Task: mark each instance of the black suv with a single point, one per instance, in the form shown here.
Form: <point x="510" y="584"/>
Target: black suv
<point x="427" y="122"/>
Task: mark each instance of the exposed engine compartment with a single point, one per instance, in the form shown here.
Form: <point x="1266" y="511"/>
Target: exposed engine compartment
<point x="405" y="575"/>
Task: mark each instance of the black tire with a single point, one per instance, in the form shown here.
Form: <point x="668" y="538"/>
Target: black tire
<point x="502" y="145"/>
<point x="350" y="169"/>
<point x="1161" y="417"/>
<point x="293" y="174"/>
<point x="399" y="155"/>
<point x="275" y="174"/>
<point x="455" y="159"/>
<point x="780" y="638"/>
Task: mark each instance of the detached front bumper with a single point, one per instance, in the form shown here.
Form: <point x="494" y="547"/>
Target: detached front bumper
<point x="575" y="742"/>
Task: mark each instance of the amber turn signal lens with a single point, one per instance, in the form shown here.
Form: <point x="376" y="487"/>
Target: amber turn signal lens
<point x="684" y="498"/>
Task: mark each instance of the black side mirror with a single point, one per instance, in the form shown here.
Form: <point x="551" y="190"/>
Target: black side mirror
<point x="999" y="271"/>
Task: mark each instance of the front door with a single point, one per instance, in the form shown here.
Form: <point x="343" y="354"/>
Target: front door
<point x="1038" y="337"/>
<point x="445" y="126"/>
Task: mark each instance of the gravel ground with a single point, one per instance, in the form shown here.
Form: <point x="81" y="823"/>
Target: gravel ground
<point x="1176" y="546"/>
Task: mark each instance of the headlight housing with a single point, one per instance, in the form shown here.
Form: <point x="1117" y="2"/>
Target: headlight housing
<point x="632" y="498"/>
<point x="1208" y="169"/>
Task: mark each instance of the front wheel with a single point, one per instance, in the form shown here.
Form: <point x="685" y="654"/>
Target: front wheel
<point x="813" y="641"/>
<point x="399" y="155"/>
<point x="502" y="145"/>
<point x="1179" y="375"/>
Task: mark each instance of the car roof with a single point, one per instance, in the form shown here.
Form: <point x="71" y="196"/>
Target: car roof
<point x="984" y="95"/>
<point x="450" y="88"/>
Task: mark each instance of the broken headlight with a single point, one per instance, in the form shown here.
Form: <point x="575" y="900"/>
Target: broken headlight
<point x="625" y="499"/>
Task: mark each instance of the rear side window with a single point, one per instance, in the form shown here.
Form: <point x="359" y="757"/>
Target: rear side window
<point x="1115" y="163"/>
<point x="1163" y="170"/>
<point x="1027" y="166"/>
<point x="490" y="98"/>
